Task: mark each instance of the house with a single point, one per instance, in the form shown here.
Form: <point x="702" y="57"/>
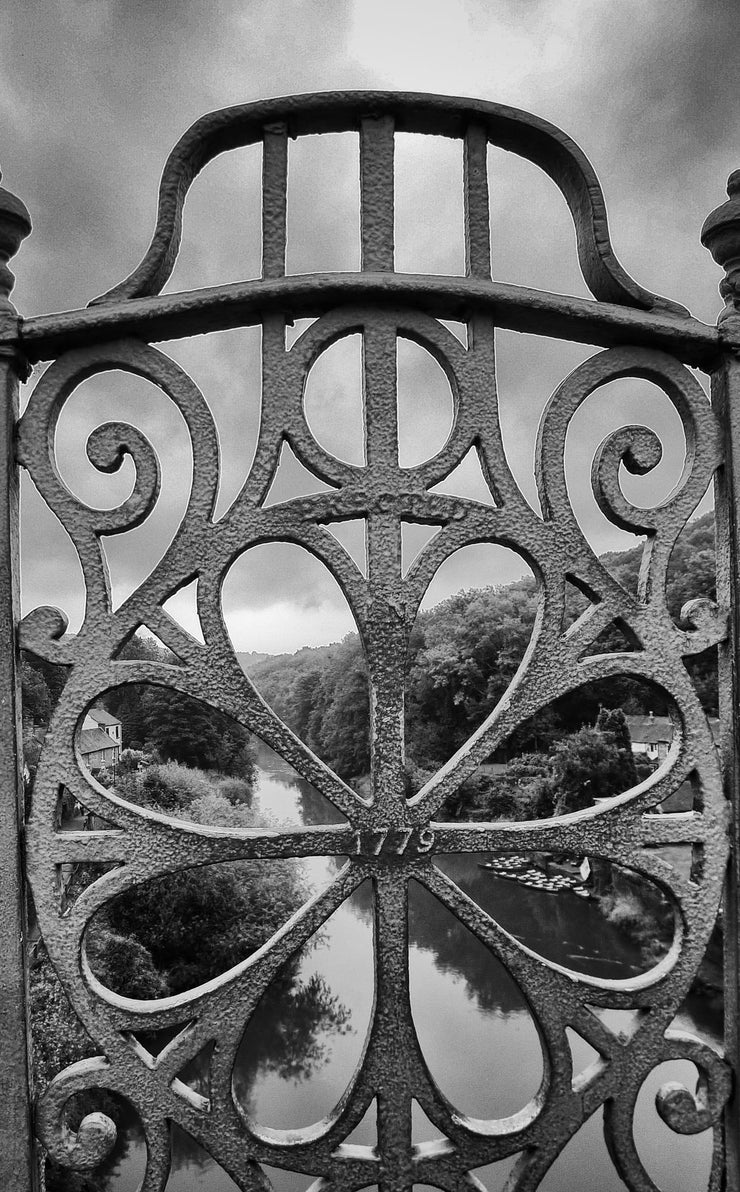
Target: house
<point x="103" y="720"/>
<point x="651" y="736"/>
<point x="100" y="739"/>
<point x="651" y="739"/>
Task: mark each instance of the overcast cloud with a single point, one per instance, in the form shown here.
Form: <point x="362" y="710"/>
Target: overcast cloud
<point x="94" y="93"/>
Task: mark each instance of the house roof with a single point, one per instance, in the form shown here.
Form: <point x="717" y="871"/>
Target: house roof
<point x="100" y="716"/>
<point x="650" y="730"/>
<point x="94" y="739"/>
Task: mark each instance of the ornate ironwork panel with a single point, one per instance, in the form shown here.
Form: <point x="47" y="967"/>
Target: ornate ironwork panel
<point x="388" y="837"/>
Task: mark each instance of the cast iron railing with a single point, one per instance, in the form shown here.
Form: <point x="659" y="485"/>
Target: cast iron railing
<point x="388" y="838"/>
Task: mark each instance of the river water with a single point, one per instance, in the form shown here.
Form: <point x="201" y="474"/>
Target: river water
<point x="474" y="1027"/>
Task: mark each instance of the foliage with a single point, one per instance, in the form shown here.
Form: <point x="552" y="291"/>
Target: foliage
<point x="323" y="695"/>
<point x="468" y="650"/>
<point x="31" y="750"/>
<point x="462" y="656"/>
<point x="582" y="766"/>
<point x="122" y="963"/>
<point x="168" y="785"/>
<point x="199" y="923"/>
<point x="236" y="791"/>
<point x="37" y="699"/>
<point x="130" y="760"/>
<point x="126" y="702"/>
<point x="585" y="766"/>
<point x="58" y="1037"/>
<point x="202" y="921"/>
<point x="189" y="731"/>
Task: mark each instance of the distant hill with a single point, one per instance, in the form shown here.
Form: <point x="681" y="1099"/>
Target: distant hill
<point x="691" y="569"/>
<point x="462" y="655"/>
<point x="249" y="659"/>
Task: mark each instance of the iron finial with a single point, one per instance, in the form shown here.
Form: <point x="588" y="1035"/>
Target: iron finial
<point x="15" y="225"/>
<point x="721" y="235"/>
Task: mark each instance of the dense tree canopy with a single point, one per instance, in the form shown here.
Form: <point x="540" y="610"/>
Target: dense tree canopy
<point x="463" y="654"/>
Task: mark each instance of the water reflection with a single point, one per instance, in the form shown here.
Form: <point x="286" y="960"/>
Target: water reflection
<point x="303" y="1044"/>
<point x="473" y="1024"/>
<point x="300" y="1051"/>
<point x="562" y="927"/>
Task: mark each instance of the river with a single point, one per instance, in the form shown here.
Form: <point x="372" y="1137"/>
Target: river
<point x="473" y="1025"/>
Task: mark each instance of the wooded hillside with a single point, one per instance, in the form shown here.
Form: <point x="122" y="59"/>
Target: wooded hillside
<point x="462" y="655"/>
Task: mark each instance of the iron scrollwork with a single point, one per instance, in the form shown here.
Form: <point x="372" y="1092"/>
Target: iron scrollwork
<point x="388" y="837"/>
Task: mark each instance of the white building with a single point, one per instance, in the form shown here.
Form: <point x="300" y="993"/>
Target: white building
<point x="100" y="739"/>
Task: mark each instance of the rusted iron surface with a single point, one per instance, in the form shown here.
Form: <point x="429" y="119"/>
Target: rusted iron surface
<point x="388" y="838"/>
<point x="721" y="235"/>
<point x="16" y="1132"/>
<point x="197" y="312"/>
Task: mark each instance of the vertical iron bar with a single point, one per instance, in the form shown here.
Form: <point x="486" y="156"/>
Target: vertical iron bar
<point x="477" y="215"/>
<point x="395" y="1091"/>
<point x="18" y="1162"/>
<point x="376" y="194"/>
<point x="274" y="199"/>
<point x="386" y="637"/>
<point x="721" y="236"/>
<point x="726" y="401"/>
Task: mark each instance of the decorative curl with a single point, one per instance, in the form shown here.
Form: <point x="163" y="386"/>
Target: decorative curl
<point x="686" y="1112"/>
<point x="96" y="1135"/>
<point x="107" y="447"/>
<point x="42" y="632"/>
<point x="704" y="624"/>
<point x="640" y="451"/>
<point x="92" y="1143"/>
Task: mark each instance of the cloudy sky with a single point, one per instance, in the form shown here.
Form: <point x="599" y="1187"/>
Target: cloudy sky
<point x="94" y="93"/>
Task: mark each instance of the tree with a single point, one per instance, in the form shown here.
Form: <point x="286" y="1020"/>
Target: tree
<point x="611" y="723"/>
<point x="345" y="725"/>
<point x="468" y="649"/>
<point x="186" y="730"/>
<point x="202" y="921"/>
<point x="37" y="699"/>
<point x="122" y="963"/>
<point x="587" y="765"/>
<point x="127" y="702"/>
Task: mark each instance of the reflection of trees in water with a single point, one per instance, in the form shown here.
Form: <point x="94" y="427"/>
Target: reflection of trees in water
<point x="314" y="807"/>
<point x="458" y="953"/>
<point x="559" y="926"/>
<point x="289" y="1033"/>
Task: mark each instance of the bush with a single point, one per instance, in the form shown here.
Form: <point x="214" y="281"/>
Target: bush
<point x="123" y="964"/>
<point x="58" y="1036"/>
<point x="624" y="910"/>
<point x="236" y="791"/>
<point x="132" y="759"/>
<point x="167" y="786"/>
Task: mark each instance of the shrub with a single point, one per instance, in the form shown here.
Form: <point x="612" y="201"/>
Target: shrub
<point x="236" y="791"/>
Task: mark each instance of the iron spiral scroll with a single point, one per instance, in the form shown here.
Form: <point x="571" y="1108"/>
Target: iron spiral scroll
<point x="388" y="838"/>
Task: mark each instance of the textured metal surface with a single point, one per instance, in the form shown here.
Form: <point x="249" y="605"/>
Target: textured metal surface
<point x="17" y="1164"/>
<point x="388" y="838"/>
